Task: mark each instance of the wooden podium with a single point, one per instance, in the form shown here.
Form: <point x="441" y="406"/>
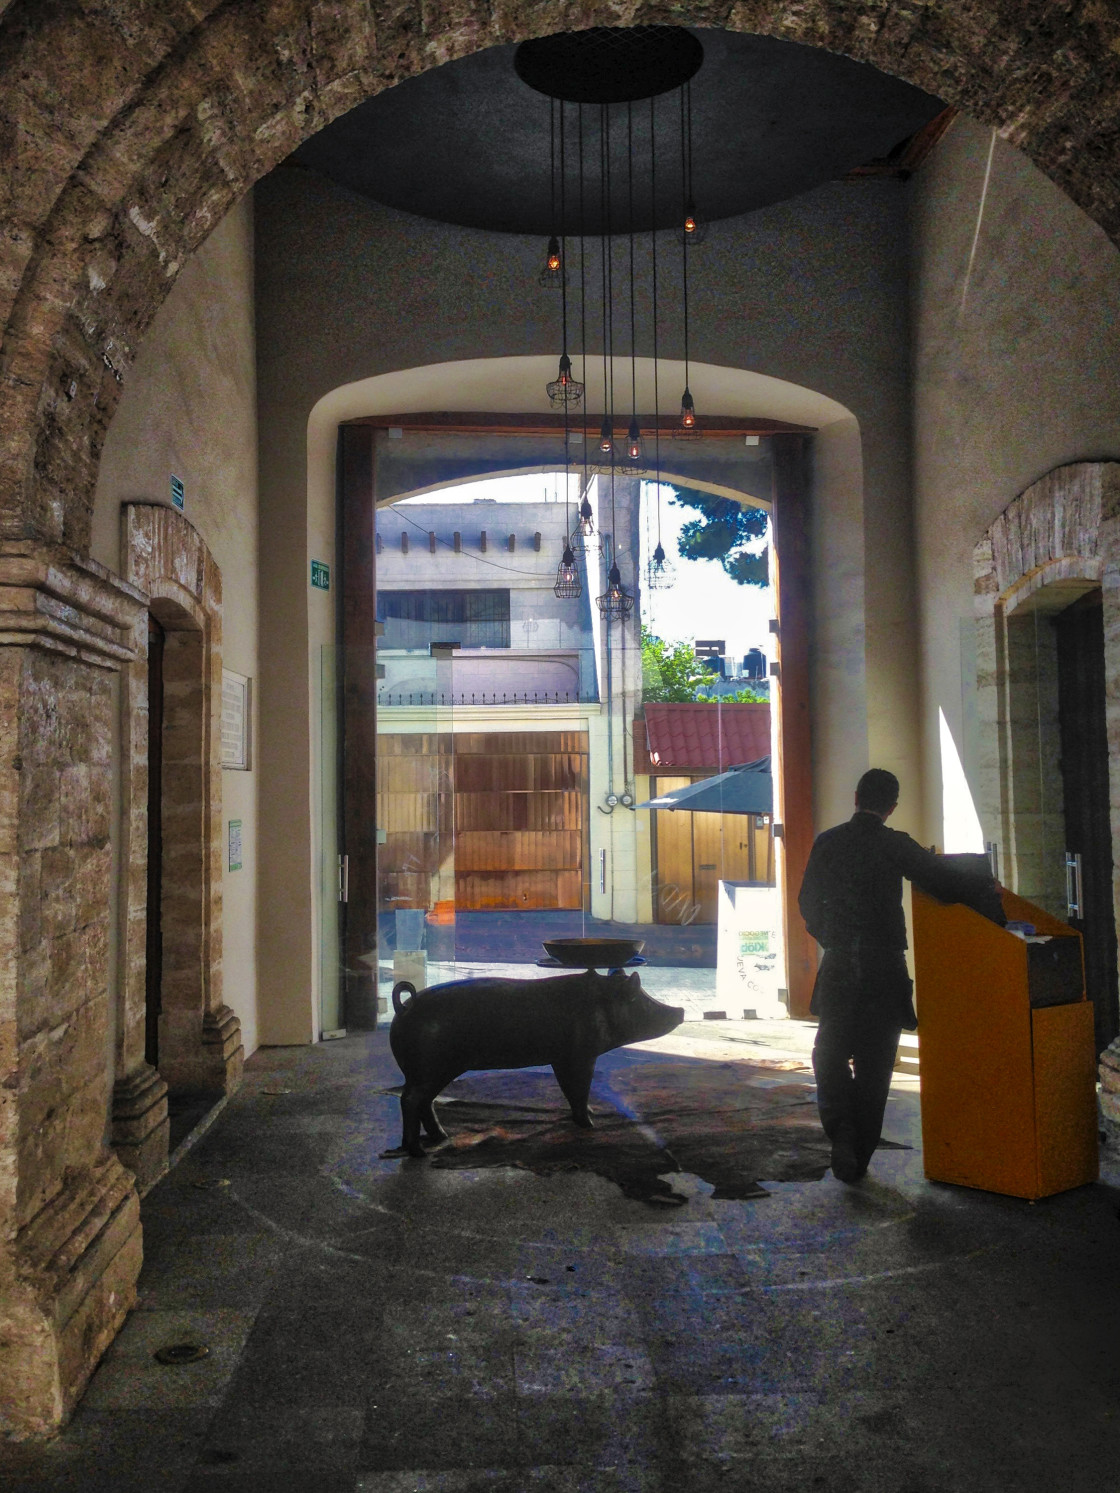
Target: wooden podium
<point x="1007" y="1052"/>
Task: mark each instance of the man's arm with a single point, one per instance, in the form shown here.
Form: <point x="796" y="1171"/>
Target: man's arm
<point x="947" y="883"/>
<point x="812" y="899"/>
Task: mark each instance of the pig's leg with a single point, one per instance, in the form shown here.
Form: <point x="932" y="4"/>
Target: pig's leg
<point x="574" y="1077"/>
<point x="432" y="1127"/>
<point x="413" y="1103"/>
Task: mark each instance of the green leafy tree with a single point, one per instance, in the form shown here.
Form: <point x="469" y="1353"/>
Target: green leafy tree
<point x="722" y="532"/>
<point x="671" y="672"/>
<point x="744" y="696"/>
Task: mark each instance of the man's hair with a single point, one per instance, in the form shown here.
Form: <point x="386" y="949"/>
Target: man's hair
<point x="877" y="790"/>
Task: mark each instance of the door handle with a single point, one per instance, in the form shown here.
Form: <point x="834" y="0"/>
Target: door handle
<point x="1074" y="895"/>
<point x="344" y="878"/>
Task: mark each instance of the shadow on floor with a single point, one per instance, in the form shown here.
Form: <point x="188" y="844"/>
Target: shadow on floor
<point x="382" y="1326"/>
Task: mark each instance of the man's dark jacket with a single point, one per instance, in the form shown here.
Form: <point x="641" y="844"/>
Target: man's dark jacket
<point x="851" y="900"/>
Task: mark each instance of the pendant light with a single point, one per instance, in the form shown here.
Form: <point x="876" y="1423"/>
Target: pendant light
<point x="616" y="602"/>
<point x="564" y="391"/>
<point x="660" y="573"/>
<point x="695" y="229"/>
<point x="687" y="428"/>
<point x="552" y="273"/>
<point x="568" y="584"/>
<point x="634" y="450"/>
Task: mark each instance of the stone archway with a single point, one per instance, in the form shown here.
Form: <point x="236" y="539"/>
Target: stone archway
<point x="134" y="132"/>
<point x="1059" y="539"/>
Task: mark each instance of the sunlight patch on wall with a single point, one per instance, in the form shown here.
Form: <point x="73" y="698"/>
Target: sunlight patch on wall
<point x="960" y="823"/>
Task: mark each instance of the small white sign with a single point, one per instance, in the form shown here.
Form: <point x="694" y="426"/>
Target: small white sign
<point x="236" y="712"/>
<point x="235" y="844"/>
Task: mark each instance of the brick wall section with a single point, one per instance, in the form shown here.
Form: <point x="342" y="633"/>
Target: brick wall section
<point x="133" y="129"/>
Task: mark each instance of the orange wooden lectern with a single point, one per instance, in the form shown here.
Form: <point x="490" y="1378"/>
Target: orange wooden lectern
<point x="1007" y="1054"/>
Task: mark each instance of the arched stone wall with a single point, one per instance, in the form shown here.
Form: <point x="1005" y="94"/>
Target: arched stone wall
<point x="133" y="130"/>
<point x="1057" y="540"/>
<point x="200" y="1037"/>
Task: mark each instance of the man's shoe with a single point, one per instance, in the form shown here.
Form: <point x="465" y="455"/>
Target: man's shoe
<point x="846" y="1165"/>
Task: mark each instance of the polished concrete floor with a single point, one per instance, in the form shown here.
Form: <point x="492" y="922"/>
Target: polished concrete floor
<point x="379" y="1326"/>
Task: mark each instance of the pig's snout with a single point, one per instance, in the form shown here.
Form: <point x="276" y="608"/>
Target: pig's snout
<point x="673" y="1017"/>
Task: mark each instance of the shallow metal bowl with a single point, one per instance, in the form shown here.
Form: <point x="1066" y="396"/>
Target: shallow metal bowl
<point x="594" y="953"/>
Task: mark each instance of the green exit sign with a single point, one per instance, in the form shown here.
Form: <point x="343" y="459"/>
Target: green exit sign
<point x="320" y="575"/>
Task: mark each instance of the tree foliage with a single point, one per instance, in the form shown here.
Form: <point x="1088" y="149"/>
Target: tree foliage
<point x="672" y="674"/>
<point x="723" y="532"/>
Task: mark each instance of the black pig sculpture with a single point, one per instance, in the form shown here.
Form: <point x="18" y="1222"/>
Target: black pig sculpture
<point x="565" y="1022"/>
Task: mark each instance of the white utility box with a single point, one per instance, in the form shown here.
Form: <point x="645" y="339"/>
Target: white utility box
<point x="750" y="953"/>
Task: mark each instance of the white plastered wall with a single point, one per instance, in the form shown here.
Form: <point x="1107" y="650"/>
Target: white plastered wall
<point x="1016" y="344"/>
<point x="189" y="409"/>
<point x="362" y="310"/>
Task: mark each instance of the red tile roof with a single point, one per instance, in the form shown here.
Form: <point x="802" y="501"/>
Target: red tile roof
<point x="703" y="738"/>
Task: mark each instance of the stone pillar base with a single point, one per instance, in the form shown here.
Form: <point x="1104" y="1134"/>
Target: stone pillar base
<point x="1110" y="1095"/>
<point x="67" y="1282"/>
<point x="222" y="1048"/>
<point x="209" y="1061"/>
<point x="140" y="1124"/>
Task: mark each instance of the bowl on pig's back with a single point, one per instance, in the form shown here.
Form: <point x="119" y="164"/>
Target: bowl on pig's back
<point x="593" y="953"/>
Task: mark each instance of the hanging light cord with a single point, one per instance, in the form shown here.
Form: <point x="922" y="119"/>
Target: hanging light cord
<point x="688" y="108"/>
<point x="583" y="301"/>
<point x="563" y="258"/>
<point x="653" y="252"/>
<point x="551" y="166"/>
<point x="633" y="320"/>
<point x="684" y="235"/>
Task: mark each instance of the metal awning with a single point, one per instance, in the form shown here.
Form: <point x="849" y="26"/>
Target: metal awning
<point x="747" y="789"/>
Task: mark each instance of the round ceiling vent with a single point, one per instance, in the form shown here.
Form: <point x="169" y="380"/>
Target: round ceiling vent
<point x="609" y="64"/>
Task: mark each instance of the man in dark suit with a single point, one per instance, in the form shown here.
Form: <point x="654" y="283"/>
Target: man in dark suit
<point x="851" y="900"/>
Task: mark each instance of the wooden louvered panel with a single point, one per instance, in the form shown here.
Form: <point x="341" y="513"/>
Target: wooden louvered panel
<point x="410" y="775"/>
<point x="520" y="889"/>
<point x="531" y="811"/>
<point x="505" y="811"/>
<point x="518" y="743"/>
<point x="404" y="812"/>
<point x="412" y="852"/>
<point x="399" y="889"/>
<point x="517" y="850"/>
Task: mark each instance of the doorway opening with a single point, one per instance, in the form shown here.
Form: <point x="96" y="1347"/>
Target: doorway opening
<point x="514" y="766"/>
<point x="1083" y="733"/>
<point x="153" y="943"/>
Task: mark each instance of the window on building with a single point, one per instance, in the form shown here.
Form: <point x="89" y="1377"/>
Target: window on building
<point x="473" y="619"/>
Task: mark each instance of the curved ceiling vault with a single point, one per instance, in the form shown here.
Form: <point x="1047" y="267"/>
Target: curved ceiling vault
<point x="132" y="130"/>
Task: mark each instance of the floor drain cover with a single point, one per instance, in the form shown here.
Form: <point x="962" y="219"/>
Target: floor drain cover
<point x="181" y="1353"/>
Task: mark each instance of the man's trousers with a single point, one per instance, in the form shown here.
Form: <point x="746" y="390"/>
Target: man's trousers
<point x="862" y="1004"/>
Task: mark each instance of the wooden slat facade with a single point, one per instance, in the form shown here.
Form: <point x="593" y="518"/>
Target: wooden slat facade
<point x="502" y="813"/>
<point x="693" y="853"/>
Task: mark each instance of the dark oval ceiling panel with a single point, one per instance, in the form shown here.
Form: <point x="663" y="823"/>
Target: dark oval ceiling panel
<point x="471" y="142"/>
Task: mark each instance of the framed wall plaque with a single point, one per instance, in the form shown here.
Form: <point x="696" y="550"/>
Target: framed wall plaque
<point x="236" y="717"/>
